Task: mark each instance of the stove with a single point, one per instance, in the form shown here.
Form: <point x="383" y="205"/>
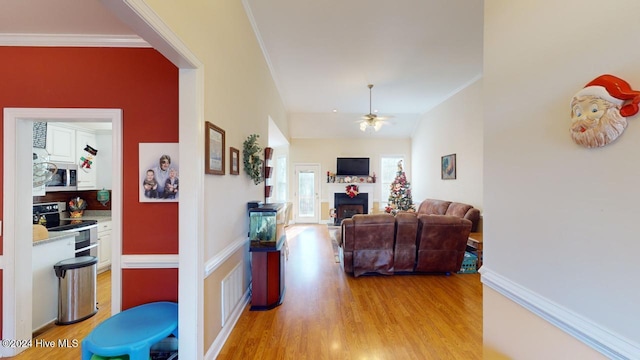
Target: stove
<point x="70" y="224"/>
<point x="48" y="214"/>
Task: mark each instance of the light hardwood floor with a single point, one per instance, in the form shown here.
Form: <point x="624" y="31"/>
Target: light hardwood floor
<point x="74" y="333"/>
<point x="328" y="314"/>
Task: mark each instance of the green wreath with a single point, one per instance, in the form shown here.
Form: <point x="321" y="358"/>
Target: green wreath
<point x="251" y="158"/>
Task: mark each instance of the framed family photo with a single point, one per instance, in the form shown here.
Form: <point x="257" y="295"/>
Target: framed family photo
<point x="234" y="161"/>
<point x="158" y="175"/>
<point x="448" y="167"/>
<point x="214" y="150"/>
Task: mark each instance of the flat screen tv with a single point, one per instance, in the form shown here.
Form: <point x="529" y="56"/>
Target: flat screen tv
<point x="352" y="166"/>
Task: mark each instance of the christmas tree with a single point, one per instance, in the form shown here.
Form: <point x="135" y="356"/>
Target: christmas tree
<point x="400" y="195"/>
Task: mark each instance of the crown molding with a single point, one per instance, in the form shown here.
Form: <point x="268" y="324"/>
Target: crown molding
<point x="256" y="31"/>
<point x="73" y="40"/>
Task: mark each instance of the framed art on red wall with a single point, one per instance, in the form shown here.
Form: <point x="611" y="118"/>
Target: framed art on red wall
<point x="159" y="177"/>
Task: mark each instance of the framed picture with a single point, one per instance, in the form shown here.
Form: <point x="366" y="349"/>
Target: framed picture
<point x="214" y="149"/>
<point x="234" y="161"/>
<point x="448" y="167"/>
<point x="158" y="175"/>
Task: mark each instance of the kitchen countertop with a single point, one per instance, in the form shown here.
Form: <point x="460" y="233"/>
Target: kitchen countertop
<point x="99" y="215"/>
<point x="55" y="236"/>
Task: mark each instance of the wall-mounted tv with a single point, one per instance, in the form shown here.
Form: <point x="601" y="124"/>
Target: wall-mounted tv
<point x="352" y="166"/>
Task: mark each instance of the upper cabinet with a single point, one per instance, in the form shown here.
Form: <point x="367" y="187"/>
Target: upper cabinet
<point x="73" y="143"/>
<point x="61" y="143"/>
<point x="87" y="165"/>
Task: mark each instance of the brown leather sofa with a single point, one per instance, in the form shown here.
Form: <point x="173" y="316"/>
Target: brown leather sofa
<point x="408" y="242"/>
<point x="443" y="207"/>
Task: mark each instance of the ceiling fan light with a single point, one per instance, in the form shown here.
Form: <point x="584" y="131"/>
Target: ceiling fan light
<point x="370" y="119"/>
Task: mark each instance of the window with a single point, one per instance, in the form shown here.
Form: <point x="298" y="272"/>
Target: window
<point x="388" y="172"/>
<point x="281" y="179"/>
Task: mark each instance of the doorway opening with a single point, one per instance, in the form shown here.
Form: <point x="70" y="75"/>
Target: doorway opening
<point x="307" y="193"/>
<point x="18" y="209"/>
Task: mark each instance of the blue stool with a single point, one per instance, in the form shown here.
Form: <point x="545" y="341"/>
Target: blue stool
<point x="133" y="331"/>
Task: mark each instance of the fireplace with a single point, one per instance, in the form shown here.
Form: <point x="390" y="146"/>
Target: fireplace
<point x="346" y="206"/>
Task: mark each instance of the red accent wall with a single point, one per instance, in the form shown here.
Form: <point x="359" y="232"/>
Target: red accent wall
<point x="144" y="85"/>
<point x="147" y="285"/>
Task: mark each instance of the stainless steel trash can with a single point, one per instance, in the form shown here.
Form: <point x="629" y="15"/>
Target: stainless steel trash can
<point x="76" y="289"/>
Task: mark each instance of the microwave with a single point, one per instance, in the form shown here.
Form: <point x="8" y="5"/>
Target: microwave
<point x="65" y="178"/>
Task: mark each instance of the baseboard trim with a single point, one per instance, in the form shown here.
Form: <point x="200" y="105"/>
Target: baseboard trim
<point x="593" y="335"/>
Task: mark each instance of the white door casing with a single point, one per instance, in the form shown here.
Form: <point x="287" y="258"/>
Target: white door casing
<point x="17" y="208"/>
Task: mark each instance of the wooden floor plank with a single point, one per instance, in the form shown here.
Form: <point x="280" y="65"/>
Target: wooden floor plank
<point x="327" y="314"/>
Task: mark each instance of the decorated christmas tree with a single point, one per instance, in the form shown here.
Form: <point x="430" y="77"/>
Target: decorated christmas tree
<point x="400" y="195"/>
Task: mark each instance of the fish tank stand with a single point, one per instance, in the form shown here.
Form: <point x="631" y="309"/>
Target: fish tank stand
<point x="267" y="247"/>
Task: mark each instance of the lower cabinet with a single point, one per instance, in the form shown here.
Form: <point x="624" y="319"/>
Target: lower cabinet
<point x="104" y="245"/>
<point x="45" y="255"/>
<point x="267" y="277"/>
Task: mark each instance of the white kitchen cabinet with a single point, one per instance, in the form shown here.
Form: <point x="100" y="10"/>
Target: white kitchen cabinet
<point x="61" y="143"/>
<point x="39" y="190"/>
<point x="87" y="178"/>
<point x="104" y="245"/>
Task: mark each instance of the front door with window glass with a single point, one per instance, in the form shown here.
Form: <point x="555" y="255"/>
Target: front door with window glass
<point x="307" y="189"/>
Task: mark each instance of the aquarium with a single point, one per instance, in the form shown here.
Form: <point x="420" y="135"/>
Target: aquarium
<point x="266" y="224"/>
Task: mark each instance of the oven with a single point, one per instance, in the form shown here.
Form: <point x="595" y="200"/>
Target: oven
<point x="48" y="214"/>
<point x="86" y="238"/>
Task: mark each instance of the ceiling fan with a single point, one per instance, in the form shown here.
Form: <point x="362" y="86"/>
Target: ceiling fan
<point x="43" y="170"/>
<point x="372" y="120"/>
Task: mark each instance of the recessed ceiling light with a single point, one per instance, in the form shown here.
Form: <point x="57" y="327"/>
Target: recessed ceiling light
<point x="335" y="110"/>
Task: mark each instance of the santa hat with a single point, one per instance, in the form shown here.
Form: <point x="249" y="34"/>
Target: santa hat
<point x="614" y="90"/>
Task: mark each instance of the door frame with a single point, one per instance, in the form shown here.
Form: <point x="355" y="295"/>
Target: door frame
<point x="145" y="22"/>
<point x="17" y="243"/>
<point x="316" y="168"/>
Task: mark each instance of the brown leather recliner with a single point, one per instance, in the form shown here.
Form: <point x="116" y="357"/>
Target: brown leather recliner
<point x="442" y="241"/>
<point x="405" y="248"/>
<point x="368" y="244"/>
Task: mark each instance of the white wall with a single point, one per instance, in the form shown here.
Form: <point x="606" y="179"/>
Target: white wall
<point x="105" y="158"/>
<point x="325" y="152"/>
<point x="558" y="218"/>
<point x="453" y="127"/>
<point x="239" y="96"/>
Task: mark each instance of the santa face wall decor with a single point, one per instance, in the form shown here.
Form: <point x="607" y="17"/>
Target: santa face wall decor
<point x="599" y="111"/>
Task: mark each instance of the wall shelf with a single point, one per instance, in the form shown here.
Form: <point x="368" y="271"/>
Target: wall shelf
<point x="268" y="173"/>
